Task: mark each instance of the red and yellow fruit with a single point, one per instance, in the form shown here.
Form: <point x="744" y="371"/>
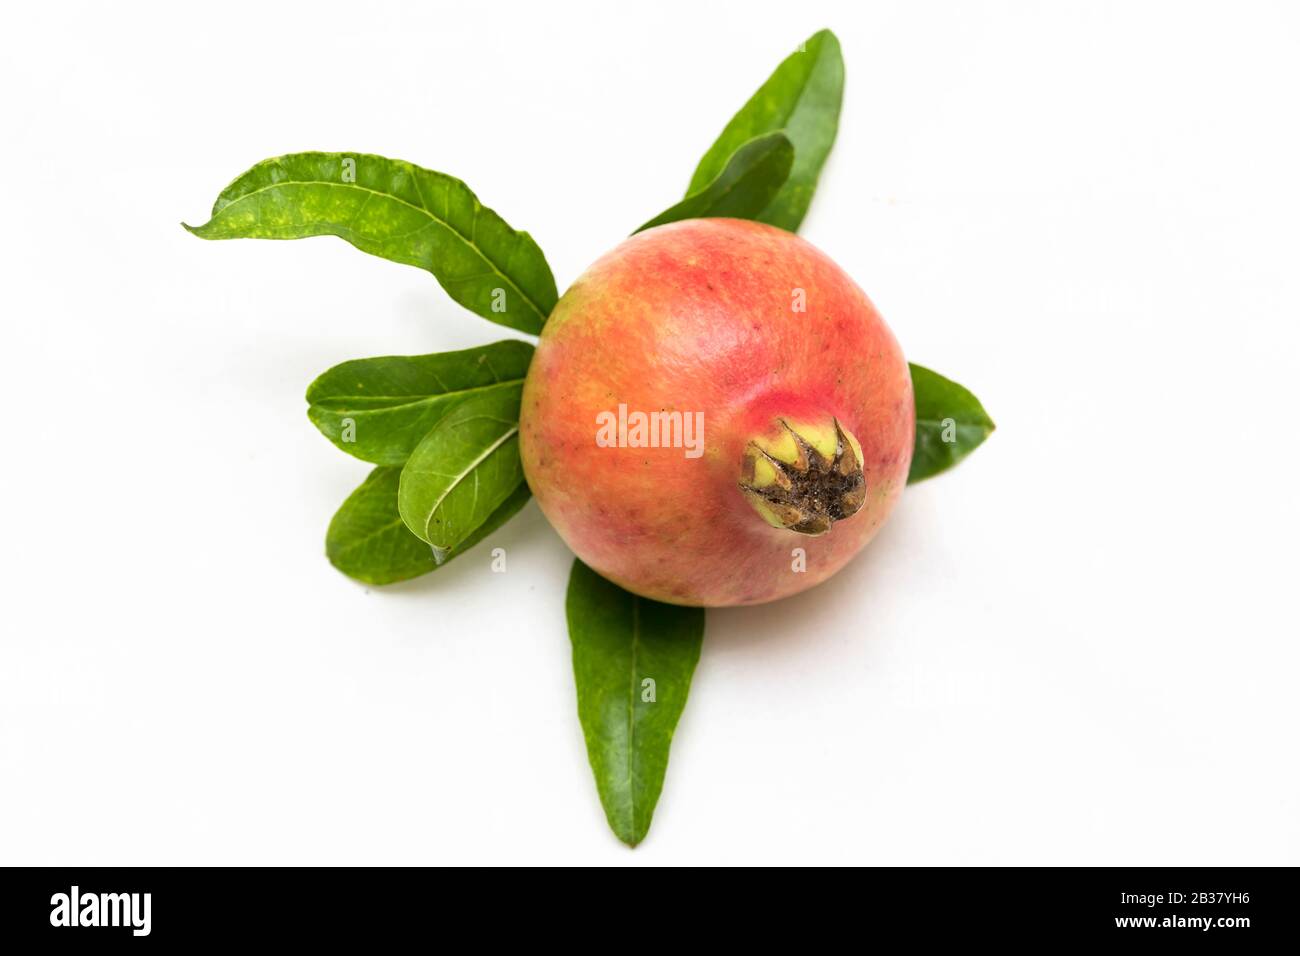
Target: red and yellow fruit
<point x="808" y="418"/>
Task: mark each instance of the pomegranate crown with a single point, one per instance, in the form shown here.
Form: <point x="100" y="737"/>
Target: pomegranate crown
<point x="805" y="477"/>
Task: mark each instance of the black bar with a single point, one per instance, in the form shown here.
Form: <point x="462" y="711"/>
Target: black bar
<point x="213" y="906"/>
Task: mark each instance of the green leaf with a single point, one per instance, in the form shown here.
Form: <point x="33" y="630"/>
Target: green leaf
<point x="752" y="177"/>
<point x="627" y="649"/>
<point x="801" y="97"/>
<point x="950" y="423"/>
<point x="397" y="211"/>
<point x="379" y="409"/>
<point x="464" y="469"/>
<point x="367" y="539"/>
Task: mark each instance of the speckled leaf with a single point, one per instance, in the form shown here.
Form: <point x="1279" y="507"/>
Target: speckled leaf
<point x="950" y="423"/>
<point x="802" y="98"/>
<point x="464" y="469"/>
<point x="379" y="409"/>
<point x="632" y="663"/>
<point x="398" y="211"/>
<point x="368" y="541"/>
<point x="751" y="177"/>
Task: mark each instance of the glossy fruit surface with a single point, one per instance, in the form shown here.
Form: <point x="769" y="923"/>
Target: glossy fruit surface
<point x="716" y="415"/>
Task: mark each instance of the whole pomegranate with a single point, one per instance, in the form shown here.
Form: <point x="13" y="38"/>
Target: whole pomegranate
<point x="707" y="398"/>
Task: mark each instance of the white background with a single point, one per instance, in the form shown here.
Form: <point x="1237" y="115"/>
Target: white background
<point x="1078" y="648"/>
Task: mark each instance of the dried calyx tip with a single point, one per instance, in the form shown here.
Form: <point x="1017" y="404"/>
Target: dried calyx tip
<point x="805" y="478"/>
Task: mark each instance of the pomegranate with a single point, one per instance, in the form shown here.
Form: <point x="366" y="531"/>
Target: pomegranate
<point x="716" y="415"/>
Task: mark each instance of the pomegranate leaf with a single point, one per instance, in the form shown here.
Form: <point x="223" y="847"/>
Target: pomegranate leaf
<point x="633" y="659"/>
<point x="802" y="98"/>
<point x="367" y="539"/>
<point x="398" y="211"/>
<point x="464" y="469"/>
<point x="752" y="177"/>
<point x="950" y="423"/>
<point x="379" y="409"/>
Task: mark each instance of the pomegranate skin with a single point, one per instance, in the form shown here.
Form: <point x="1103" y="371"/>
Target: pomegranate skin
<point x="701" y="316"/>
